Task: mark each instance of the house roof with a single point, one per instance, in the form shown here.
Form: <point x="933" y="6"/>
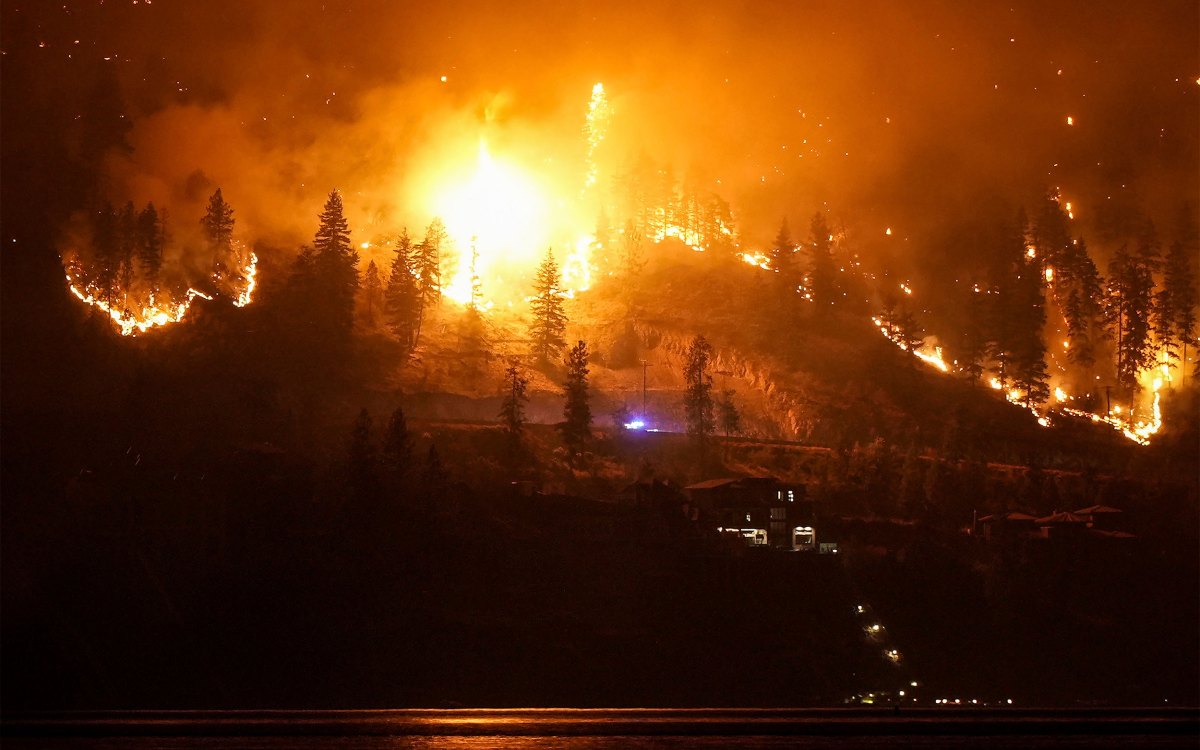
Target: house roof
<point x="1112" y="534"/>
<point x="1063" y="517"/>
<point x="709" y="484"/>
<point x="1094" y="509"/>
<point x="1011" y="515"/>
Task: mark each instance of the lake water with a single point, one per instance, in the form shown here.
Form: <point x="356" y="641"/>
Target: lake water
<point x="607" y="728"/>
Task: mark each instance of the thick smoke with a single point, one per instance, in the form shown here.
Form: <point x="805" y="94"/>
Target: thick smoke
<point x="885" y="114"/>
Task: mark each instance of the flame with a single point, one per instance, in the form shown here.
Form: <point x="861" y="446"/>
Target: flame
<point x="250" y="272"/>
<point x="155" y="313"/>
<point x="128" y="323"/>
<point x="596" y="129"/>
<point x="499" y="209"/>
<point x="758" y="259"/>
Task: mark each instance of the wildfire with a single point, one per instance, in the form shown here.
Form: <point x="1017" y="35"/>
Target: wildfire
<point x="498" y="211"/>
<point x="758" y="259"/>
<point x="596" y="129"/>
<point x="152" y="314"/>
<point x="246" y="296"/>
<point x="130" y="320"/>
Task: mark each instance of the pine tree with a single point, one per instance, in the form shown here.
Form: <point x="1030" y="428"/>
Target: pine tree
<point x="697" y="396"/>
<point x="372" y="291"/>
<point x="361" y="456"/>
<point x="549" y="321"/>
<point x="577" y="413"/>
<point x="822" y="270"/>
<point x="434" y="478"/>
<point x="512" y="408"/>
<point x="1028" y="354"/>
<point x="335" y="261"/>
<point x="127" y="241"/>
<point x="1009" y="314"/>
<point x="1128" y="306"/>
<point x="397" y="447"/>
<point x="728" y="416"/>
<point x="106" y="251"/>
<point x="402" y="298"/>
<point x="783" y="262"/>
<point x="218" y="227"/>
<point x="1082" y="304"/>
<point x="151" y="237"/>
<point x="429" y="261"/>
<point x="1175" y="313"/>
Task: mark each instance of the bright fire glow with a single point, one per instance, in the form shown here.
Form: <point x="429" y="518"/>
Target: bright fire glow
<point x="152" y="314"/>
<point x="596" y="130"/>
<point x="761" y="260"/>
<point x="499" y="208"/>
<point x="130" y="320"/>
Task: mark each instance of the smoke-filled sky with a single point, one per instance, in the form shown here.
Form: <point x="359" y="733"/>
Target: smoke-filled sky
<point x="888" y="114"/>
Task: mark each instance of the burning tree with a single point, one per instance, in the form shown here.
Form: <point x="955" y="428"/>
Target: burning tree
<point x="577" y="414"/>
<point x="549" y="319"/>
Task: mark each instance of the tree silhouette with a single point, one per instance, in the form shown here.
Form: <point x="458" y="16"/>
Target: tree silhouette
<point x="151" y="238"/>
<point x="397" y="447"/>
<point x="428" y="262"/>
<point x="372" y="291"/>
<point x="402" y="298"/>
<point x="697" y="396"/>
<point x="335" y="261"/>
<point x="512" y="408"/>
<point x="577" y="413"/>
<point x="549" y="321"/>
<point x="217" y="224"/>
<point x="822" y="271"/>
<point x="728" y="415"/>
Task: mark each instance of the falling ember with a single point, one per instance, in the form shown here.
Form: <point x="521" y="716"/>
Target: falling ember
<point x="1070" y="120"/>
<point x="1070" y="213"/>
<point x="1049" y="274"/>
<point x="905" y="288"/>
<point x="888" y="231"/>
<point x="1031" y="252"/>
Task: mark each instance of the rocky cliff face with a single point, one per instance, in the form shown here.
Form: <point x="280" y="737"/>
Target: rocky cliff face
<point x="785" y="396"/>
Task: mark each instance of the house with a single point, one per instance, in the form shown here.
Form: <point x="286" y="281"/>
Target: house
<point x="1008" y="525"/>
<point x="762" y="511"/>
<point x="1101" y="517"/>
<point x="1062" y="525"/>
